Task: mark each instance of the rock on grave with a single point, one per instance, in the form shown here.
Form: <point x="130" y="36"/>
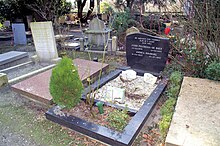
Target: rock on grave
<point x="132" y="30"/>
<point x="146" y="53"/>
<point x="19" y="34"/>
<point x="44" y="41"/>
<point x="3" y="79"/>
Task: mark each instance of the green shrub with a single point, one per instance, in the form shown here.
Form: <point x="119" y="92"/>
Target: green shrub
<point x="213" y="71"/>
<point x="118" y="119"/>
<point x="175" y="78"/>
<point x="173" y="91"/>
<point x="167" y="108"/>
<point x="65" y="84"/>
<point x="122" y="21"/>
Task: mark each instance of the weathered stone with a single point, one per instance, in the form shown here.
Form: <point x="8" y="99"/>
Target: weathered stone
<point x="19" y="34"/>
<point x="132" y="30"/>
<point x="114" y="43"/>
<point x="196" y="120"/>
<point x="44" y="41"/>
<point x="3" y="79"/>
<point x="97" y="33"/>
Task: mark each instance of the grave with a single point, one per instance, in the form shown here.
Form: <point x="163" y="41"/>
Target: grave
<point x="132" y="30"/>
<point x="44" y="41"/>
<point x="12" y="58"/>
<point x="196" y="120"/>
<point x="19" y="34"/>
<point x="98" y="34"/>
<point x="129" y="133"/>
<point x="7" y="24"/>
<point x="37" y="87"/>
<point x="146" y="53"/>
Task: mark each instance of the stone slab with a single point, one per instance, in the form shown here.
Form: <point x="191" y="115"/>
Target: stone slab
<point x="8" y="59"/>
<point x="19" y="33"/>
<point x="196" y="121"/>
<point x="37" y="87"/>
<point x="3" y="79"/>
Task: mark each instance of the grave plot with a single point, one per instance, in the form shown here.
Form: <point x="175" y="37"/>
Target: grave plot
<point x="99" y="128"/>
<point x="12" y="58"/>
<point x="137" y="114"/>
<point x="37" y="87"/>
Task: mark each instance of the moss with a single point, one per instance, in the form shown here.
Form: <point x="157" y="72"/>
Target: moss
<point x="168" y="107"/>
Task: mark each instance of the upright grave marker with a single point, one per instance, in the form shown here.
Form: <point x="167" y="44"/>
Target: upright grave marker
<point x="44" y="40"/>
<point x="19" y="34"/>
<point x="146" y="52"/>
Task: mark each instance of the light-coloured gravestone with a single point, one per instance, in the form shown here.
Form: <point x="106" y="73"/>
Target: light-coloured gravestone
<point x="19" y="34"/>
<point x="114" y="43"/>
<point x="132" y="30"/>
<point x="6" y="23"/>
<point x="97" y="33"/>
<point x="96" y="24"/>
<point x="44" y="40"/>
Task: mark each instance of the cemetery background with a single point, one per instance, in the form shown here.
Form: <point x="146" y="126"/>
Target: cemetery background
<point x="169" y="69"/>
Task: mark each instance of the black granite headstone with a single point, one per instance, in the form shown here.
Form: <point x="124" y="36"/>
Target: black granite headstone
<point x="147" y="53"/>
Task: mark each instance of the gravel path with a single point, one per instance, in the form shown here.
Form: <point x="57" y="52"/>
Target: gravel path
<point x="8" y="135"/>
<point x="25" y="69"/>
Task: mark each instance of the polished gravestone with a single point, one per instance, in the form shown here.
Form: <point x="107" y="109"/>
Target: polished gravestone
<point x="19" y="34"/>
<point x="146" y="53"/>
<point x="37" y="87"/>
<point x="12" y="58"/>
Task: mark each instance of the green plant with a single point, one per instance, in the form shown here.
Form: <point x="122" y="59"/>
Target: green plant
<point x="167" y="108"/>
<point x="173" y="91"/>
<point x="175" y="78"/>
<point x="65" y="84"/>
<point x="122" y="21"/>
<point x="106" y="8"/>
<point x="213" y="71"/>
<point x="118" y="119"/>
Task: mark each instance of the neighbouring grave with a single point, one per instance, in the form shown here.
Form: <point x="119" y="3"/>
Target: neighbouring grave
<point x="12" y="58"/>
<point x="146" y="53"/>
<point x="97" y="33"/>
<point x="19" y="34"/>
<point x="196" y="120"/>
<point x="7" y="24"/>
<point x="3" y="79"/>
<point x="132" y="30"/>
<point x="44" y="41"/>
<point x="37" y="87"/>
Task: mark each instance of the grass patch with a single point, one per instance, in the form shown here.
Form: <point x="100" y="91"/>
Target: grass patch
<point x="40" y="130"/>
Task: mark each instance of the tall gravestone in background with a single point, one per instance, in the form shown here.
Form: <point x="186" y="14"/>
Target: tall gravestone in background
<point x="97" y="33"/>
<point x="44" y="40"/>
<point x="147" y="53"/>
<point x="19" y="34"/>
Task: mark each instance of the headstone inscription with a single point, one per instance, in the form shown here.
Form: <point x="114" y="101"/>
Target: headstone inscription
<point x="44" y="40"/>
<point x="19" y="34"/>
<point x="146" y="53"/>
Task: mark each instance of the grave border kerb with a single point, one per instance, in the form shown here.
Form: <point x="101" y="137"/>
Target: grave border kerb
<point x="102" y="133"/>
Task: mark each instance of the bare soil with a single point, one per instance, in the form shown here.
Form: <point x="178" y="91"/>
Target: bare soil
<point x="82" y="110"/>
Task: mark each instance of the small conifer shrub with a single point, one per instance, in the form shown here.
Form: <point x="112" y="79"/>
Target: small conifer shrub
<point x="65" y="85"/>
